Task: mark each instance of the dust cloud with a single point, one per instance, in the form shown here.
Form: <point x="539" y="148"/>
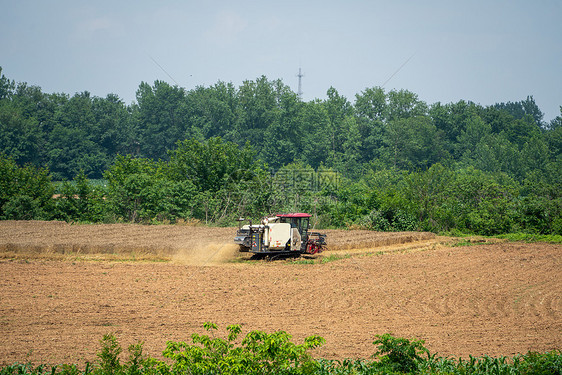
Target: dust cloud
<point x="206" y="253"/>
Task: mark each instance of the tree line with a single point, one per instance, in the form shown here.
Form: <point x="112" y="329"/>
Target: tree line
<point x="387" y="161"/>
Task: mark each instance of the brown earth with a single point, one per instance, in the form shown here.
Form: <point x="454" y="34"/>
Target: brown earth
<point x="61" y="290"/>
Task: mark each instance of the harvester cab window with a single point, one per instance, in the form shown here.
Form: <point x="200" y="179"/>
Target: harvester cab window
<point x="304" y="228"/>
<point x="295" y="223"/>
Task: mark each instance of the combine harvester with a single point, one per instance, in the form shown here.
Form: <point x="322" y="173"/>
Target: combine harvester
<point x="283" y="235"/>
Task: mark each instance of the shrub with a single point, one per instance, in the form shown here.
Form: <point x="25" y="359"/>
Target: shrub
<point x="259" y="353"/>
<point x="21" y="207"/>
<point x="25" y="192"/>
<point x="398" y="354"/>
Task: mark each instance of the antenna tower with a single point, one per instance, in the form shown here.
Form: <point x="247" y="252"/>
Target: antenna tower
<point x="300" y="75"/>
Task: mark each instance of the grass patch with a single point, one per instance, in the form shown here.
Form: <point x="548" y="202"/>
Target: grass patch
<point x="303" y="261"/>
<point x="469" y="239"/>
<point x="527" y="237"/>
<point x="334" y="257"/>
<point x="467" y="242"/>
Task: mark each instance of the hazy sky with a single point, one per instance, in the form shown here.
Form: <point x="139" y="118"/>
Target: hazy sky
<point x="486" y="51"/>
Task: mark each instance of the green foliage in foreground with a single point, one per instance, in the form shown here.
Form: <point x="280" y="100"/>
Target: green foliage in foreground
<point x="263" y="353"/>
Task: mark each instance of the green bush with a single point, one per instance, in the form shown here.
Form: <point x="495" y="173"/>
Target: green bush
<point x="80" y="200"/>
<point x="534" y="363"/>
<point x="398" y="354"/>
<point x="25" y="192"/>
<point x="260" y="353"/>
<point x="21" y="207"/>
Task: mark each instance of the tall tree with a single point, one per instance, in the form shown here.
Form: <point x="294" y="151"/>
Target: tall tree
<point x="553" y="136"/>
<point x="338" y="108"/>
<point x="412" y="143"/>
<point x="404" y="104"/>
<point x="259" y="108"/>
<point x="20" y="136"/>
<point x="213" y="110"/>
<point x="114" y="130"/>
<point x="452" y="120"/>
<point x="523" y="108"/>
<point x="474" y="130"/>
<point x="6" y="86"/>
<point x="316" y="143"/>
<point x="213" y="164"/>
<point x="370" y="110"/>
<point x="72" y="141"/>
<point x="285" y="134"/>
<point x="495" y="153"/>
<point x="162" y="118"/>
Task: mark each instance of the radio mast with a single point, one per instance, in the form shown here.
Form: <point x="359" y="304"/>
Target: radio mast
<point x="300" y="75"/>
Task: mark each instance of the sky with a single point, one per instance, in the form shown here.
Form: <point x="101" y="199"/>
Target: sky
<point x="485" y="51"/>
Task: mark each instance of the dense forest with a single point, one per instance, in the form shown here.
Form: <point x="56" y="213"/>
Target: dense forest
<point x="387" y="161"/>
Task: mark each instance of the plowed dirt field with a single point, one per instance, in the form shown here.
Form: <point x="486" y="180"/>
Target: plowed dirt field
<point x="62" y="287"/>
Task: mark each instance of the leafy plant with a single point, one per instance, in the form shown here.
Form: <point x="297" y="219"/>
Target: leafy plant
<point x="542" y="363"/>
<point x="258" y="353"/>
<point x="398" y="353"/>
<point x="109" y="356"/>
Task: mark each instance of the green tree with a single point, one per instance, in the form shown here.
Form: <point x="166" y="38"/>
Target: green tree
<point x="412" y="143"/>
<point x="80" y="200"/>
<point x="535" y="155"/>
<point x="6" y="86"/>
<point x="25" y="192"/>
<point x="397" y="354"/>
<point x="316" y="143"/>
<point x="338" y="108"/>
<point x="113" y="128"/>
<point x="553" y="136"/>
<point x="162" y="117"/>
<point x="370" y="111"/>
<point x="228" y="180"/>
<point x="258" y="109"/>
<point x="495" y="153"/>
<point x="482" y="203"/>
<point x="475" y="129"/>
<point x="20" y="137"/>
<point x="285" y="134"/>
<point x="74" y="141"/>
<point x="428" y="193"/>
<point x="523" y="108"/>
<point x="259" y="353"/>
<point x="498" y="119"/>
<point x="213" y="111"/>
<point x="139" y="191"/>
<point x="293" y="187"/>
<point x="213" y="164"/>
<point x="522" y="130"/>
<point x="404" y="104"/>
<point x="71" y="151"/>
<point x="452" y="119"/>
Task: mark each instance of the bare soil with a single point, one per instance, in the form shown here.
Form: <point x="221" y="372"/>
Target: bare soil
<point x="62" y="287"/>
